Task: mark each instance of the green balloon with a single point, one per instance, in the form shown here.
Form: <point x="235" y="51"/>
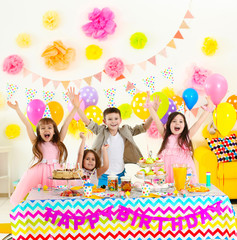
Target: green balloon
<point x="164" y="105"/>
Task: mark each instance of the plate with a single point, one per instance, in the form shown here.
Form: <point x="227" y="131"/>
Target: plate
<point x="143" y="165"/>
<point x="151" y="176"/>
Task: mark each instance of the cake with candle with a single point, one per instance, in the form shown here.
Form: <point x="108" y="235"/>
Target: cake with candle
<point x="67" y="173"/>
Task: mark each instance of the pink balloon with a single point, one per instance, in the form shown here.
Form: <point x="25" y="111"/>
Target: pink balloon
<point x="35" y="110"/>
<point x="216" y="87"/>
<point x="70" y="107"/>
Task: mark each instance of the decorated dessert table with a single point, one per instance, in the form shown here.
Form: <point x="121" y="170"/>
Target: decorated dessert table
<point x="197" y="215"/>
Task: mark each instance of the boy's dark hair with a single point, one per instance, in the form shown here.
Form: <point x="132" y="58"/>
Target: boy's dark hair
<point x="111" y="110"/>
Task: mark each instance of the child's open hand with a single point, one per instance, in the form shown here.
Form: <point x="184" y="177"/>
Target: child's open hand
<point x="82" y="135"/>
<point x="74" y="98"/>
<point x="13" y="106"/>
<point x="156" y="102"/>
<point x="105" y="147"/>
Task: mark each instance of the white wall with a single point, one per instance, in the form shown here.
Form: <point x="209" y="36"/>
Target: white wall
<point x="158" y="19"/>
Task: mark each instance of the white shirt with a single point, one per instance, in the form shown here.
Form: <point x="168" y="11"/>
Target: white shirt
<point x="115" y="154"/>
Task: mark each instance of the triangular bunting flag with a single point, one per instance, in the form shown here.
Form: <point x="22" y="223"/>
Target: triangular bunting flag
<point x="98" y="76"/>
<point x="26" y="72"/>
<point x="194" y="111"/>
<point x="184" y="25"/>
<point x="178" y="35"/>
<point x="152" y="60"/>
<point x="137" y="90"/>
<point x="188" y="15"/>
<point x="65" y="84"/>
<point x="120" y="77"/>
<point x="163" y="53"/>
<point x="45" y="81"/>
<point x="56" y="83"/>
<point x="35" y="77"/>
<point x="129" y="67"/>
<point x="88" y="80"/>
<point x="142" y="65"/>
<point x="171" y="44"/>
<point x="78" y="83"/>
<point x="129" y="86"/>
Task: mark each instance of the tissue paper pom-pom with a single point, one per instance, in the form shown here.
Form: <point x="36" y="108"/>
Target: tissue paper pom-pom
<point x="50" y="20"/>
<point x="169" y="92"/>
<point x="93" y="52"/>
<point x="57" y="56"/>
<point x="114" y="67"/>
<point x="153" y="131"/>
<point x="209" y="46"/>
<point x="101" y="24"/>
<point x="23" y="40"/>
<point x="126" y="110"/>
<point x="75" y="127"/>
<point x="13" y="64"/>
<point x="12" y="131"/>
<point x="138" y="40"/>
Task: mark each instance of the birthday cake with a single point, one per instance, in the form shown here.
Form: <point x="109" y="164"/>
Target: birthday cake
<point x="67" y="173"/>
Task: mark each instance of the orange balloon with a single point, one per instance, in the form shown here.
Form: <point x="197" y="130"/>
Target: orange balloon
<point x="233" y="101"/>
<point x="56" y="111"/>
<point x="179" y="102"/>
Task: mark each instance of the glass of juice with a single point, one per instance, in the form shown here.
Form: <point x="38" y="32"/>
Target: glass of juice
<point x="180" y="174"/>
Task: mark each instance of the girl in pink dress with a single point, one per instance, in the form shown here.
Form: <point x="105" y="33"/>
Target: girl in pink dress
<point x="177" y="145"/>
<point x="49" y="153"/>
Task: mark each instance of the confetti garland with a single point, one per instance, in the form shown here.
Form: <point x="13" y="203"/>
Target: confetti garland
<point x="149" y="82"/>
<point x="131" y="91"/>
<point x="11" y="90"/>
<point x="110" y="93"/>
<point x="181" y="109"/>
<point x="48" y="96"/>
<point x="65" y="97"/>
<point x="168" y="73"/>
<point x="30" y="94"/>
<point x="47" y="113"/>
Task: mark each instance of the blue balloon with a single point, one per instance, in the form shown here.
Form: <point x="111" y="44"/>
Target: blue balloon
<point x="190" y="97"/>
<point x="172" y="108"/>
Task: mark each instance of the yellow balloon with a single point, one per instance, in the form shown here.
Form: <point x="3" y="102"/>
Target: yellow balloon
<point x="137" y="104"/>
<point x="224" y="118"/>
<point x="56" y="111"/>
<point x="94" y="113"/>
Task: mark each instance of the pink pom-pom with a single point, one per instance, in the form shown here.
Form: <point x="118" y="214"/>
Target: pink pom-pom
<point x="13" y="64"/>
<point x="101" y="24"/>
<point x="114" y="67"/>
<point x="153" y="131"/>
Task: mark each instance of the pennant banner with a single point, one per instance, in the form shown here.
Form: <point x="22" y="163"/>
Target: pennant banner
<point x="110" y="93"/>
<point x="30" y="94"/>
<point x="65" y="97"/>
<point x="11" y="90"/>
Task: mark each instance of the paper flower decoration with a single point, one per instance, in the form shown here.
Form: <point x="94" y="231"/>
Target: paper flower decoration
<point x="138" y="40"/>
<point x="153" y="131"/>
<point x="51" y="20"/>
<point x="12" y="131"/>
<point x="209" y="46"/>
<point x="101" y="24"/>
<point x="13" y="64"/>
<point x="114" y="67"/>
<point x="75" y="127"/>
<point x="57" y="56"/>
<point x="126" y="110"/>
<point x="23" y="40"/>
<point x="93" y="52"/>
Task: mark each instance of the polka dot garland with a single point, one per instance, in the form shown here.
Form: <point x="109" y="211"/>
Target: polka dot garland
<point x="30" y="94"/>
<point x="168" y="73"/>
<point x="110" y="93"/>
<point x="132" y="91"/>
<point x="48" y="96"/>
<point x="149" y="82"/>
<point x="11" y="90"/>
<point x="47" y="113"/>
<point x="181" y="109"/>
<point x="65" y="97"/>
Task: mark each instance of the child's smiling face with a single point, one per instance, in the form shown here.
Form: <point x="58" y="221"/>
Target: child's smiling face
<point x="112" y="120"/>
<point x="46" y="132"/>
<point x="89" y="161"/>
<point x="177" y="124"/>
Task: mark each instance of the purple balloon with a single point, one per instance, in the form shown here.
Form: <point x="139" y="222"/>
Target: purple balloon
<point x="35" y="110"/>
<point x="89" y="96"/>
<point x="172" y="108"/>
<point x="70" y="107"/>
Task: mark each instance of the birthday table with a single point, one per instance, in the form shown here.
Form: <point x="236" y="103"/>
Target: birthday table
<point x="46" y="215"/>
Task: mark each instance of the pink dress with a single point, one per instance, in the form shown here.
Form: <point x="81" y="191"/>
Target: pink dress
<point x="173" y="153"/>
<point x="39" y="174"/>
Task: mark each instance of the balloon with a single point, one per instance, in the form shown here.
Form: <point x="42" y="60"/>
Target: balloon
<point x="70" y="107"/>
<point x="224" y="117"/>
<point x="216" y="87"/>
<point x="190" y="97"/>
<point x="56" y="111"/>
<point x="179" y="102"/>
<point x="89" y="96"/>
<point x="94" y="113"/>
<point x="164" y="105"/>
<point x="233" y="101"/>
<point x="137" y="104"/>
<point x="172" y="108"/>
<point x="35" y="110"/>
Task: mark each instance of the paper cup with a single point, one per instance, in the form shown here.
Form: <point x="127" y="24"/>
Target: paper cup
<point x="146" y="189"/>
<point x="87" y="191"/>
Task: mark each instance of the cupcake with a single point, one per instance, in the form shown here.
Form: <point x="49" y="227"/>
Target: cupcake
<point x="149" y="161"/>
<point x="142" y="160"/>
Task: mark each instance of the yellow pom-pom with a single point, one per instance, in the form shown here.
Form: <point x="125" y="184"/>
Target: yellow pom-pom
<point x="45" y="187"/>
<point x="51" y="20"/>
<point x="138" y="40"/>
<point x="75" y="127"/>
<point x="209" y="46"/>
<point x="93" y="52"/>
<point x="126" y="110"/>
<point x="12" y="131"/>
<point x="169" y="92"/>
<point x="23" y="40"/>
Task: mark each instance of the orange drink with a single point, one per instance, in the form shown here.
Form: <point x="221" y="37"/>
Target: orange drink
<point x="180" y="173"/>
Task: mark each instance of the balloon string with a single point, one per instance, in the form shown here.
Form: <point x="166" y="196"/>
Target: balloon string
<point x="216" y="123"/>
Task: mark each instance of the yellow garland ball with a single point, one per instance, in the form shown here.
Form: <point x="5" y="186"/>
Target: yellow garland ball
<point x="93" y="52"/>
<point x="138" y="40"/>
<point x="23" y="40"/>
<point x="126" y="110"/>
<point x="209" y="46"/>
<point x="94" y="113"/>
<point x="75" y="127"/>
<point x="12" y="131"/>
<point x="51" y="20"/>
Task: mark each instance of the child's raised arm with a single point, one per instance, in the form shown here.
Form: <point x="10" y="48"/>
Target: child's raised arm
<point x="153" y="111"/>
<point x="81" y="150"/>
<point x="75" y="101"/>
<point x="105" y="166"/>
<point x="23" y="118"/>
